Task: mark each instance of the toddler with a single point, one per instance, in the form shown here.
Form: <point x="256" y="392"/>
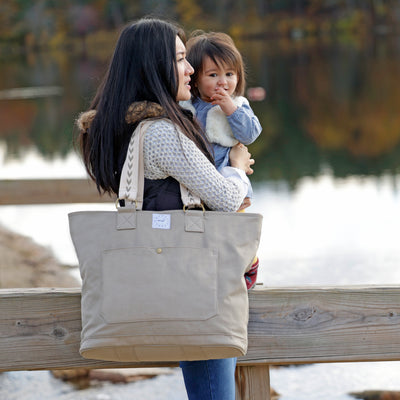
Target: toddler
<point x="218" y="85"/>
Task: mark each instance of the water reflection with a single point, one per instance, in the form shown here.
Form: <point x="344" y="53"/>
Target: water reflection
<point x="330" y="231"/>
<point x="45" y="123"/>
<point x="334" y="104"/>
<point x="329" y="104"/>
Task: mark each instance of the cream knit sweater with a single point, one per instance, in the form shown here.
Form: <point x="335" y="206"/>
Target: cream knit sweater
<point x="167" y="152"/>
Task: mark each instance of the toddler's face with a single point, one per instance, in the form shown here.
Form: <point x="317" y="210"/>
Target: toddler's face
<point x="215" y="78"/>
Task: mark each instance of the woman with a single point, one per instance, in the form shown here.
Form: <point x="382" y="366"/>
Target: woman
<point x="147" y="77"/>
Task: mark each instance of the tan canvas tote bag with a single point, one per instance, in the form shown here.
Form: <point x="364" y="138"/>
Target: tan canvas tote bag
<point x="162" y="285"/>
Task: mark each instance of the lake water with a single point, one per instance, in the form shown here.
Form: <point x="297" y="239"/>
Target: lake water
<point x="327" y="180"/>
<point x="328" y="231"/>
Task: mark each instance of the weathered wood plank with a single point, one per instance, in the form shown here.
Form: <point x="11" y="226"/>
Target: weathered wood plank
<point x="306" y="325"/>
<point x="252" y="383"/>
<point x="40" y="328"/>
<point x="50" y="191"/>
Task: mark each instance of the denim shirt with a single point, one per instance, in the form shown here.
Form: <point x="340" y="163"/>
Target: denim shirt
<point x="244" y="124"/>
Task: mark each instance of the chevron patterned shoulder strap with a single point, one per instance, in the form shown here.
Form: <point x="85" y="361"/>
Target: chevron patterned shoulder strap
<point x="132" y="176"/>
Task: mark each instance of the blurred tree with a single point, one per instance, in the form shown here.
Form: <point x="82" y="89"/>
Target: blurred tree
<point x="189" y="13"/>
<point x="358" y="111"/>
<point x="84" y="20"/>
<point x="42" y="19"/>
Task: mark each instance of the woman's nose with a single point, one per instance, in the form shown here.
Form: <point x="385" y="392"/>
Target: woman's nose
<point x="189" y="68"/>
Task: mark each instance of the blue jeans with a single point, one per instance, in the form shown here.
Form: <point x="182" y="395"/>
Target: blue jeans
<point x="209" y="379"/>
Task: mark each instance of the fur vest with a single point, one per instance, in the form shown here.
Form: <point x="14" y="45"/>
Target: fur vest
<point x="217" y="127"/>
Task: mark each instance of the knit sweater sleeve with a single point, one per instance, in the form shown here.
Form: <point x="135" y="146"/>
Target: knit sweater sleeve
<point x="168" y="152"/>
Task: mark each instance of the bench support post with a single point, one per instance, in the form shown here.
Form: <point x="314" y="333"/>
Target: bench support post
<point x="252" y="382"/>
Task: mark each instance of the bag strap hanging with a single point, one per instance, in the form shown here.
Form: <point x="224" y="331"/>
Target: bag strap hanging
<point x="131" y="185"/>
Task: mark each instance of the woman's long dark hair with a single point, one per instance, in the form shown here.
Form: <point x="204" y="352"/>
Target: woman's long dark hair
<point x="143" y="67"/>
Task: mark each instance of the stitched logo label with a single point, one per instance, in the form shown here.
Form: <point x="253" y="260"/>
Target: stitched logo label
<point x="161" y="221"/>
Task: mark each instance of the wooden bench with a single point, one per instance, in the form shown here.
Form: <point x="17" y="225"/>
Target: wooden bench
<point x="40" y="330"/>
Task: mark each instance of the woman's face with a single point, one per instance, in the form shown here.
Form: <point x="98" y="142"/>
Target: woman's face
<point x="184" y="71"/>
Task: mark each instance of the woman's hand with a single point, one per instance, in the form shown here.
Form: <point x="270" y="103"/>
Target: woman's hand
<point x="246" y="203"/>
<point x="240" y="157"/>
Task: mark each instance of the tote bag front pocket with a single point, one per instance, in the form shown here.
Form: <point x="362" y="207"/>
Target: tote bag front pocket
<point x="195" y="278"/>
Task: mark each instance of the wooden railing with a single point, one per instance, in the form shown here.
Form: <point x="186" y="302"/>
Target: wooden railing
<point x="49" y="191"/>
<point x="40" y="330"/>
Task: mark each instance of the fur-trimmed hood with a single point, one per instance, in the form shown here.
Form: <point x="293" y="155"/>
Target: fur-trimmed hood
<point x="137" y="112"/>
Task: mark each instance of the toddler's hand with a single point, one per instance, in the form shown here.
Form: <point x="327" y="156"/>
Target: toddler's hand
<point x="224" y="100"/>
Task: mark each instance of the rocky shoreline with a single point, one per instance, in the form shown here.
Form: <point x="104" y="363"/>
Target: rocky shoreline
<point x="377" y="395"/>
<point x="24" y="263"/>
